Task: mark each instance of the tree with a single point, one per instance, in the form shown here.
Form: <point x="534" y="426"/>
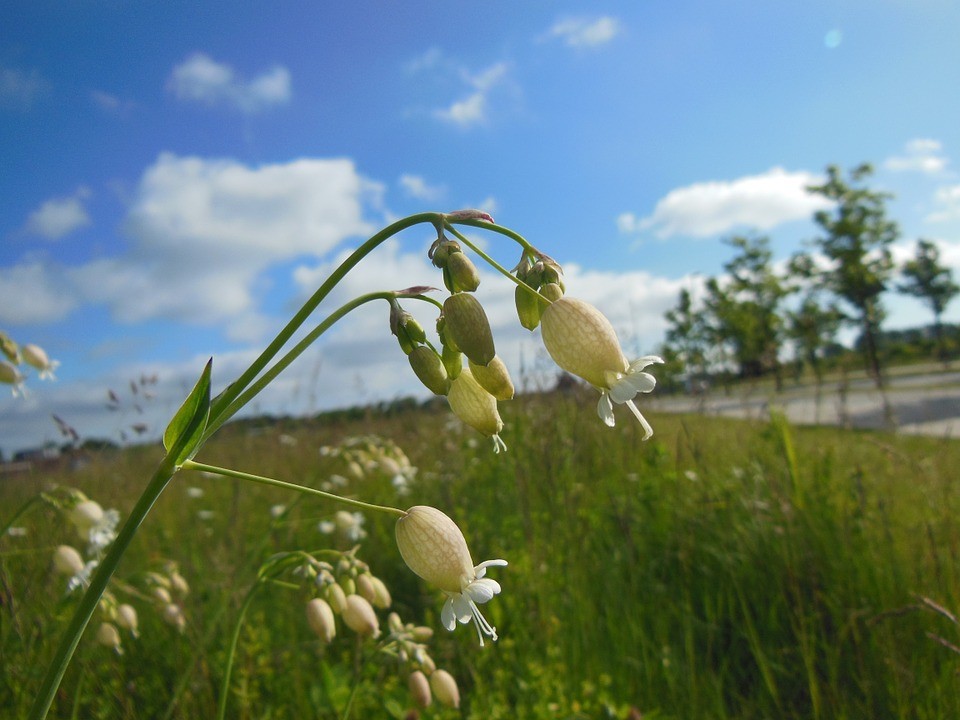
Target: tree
<point x="744" y="310"/>
<point x="932" y="283"/>
<point x="857" y="243"/>
<point x="686" y="337"/>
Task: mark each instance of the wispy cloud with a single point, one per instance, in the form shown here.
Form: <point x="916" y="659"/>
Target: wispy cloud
<point x="585" y="32"/>
<point x="473" y="109"/>
<point x="201" y="79"/>
<point x="919" y="155"/>
<point x="418" y="188"/>
<point x="710" y="208"/>
<point x="58" y="217"/>
<point x="947" y="199"/>
<point x="20" y="89"/>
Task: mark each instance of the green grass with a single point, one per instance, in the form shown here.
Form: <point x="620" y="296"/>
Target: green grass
<point x="724" y="569"/>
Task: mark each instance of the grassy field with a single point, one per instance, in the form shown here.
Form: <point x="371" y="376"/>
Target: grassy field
<point x="723" y="569"/>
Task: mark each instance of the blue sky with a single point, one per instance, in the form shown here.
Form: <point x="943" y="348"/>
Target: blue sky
<point x="178" y="176"/>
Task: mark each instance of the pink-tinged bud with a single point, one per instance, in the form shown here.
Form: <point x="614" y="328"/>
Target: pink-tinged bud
<point x="432" y="545"/>
<point x="67" y="561"/>
<point x="360" y="617"/>
<point x="582" y="341"/>
<point x="445" y="688"/>
<point x="470" y="214"/>
<point x="321" y="621"/>
<point x="419" y="689"/>
<point x="108" y="636"/>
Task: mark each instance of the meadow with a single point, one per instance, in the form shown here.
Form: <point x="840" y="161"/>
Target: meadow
<point x="723" y="569"/>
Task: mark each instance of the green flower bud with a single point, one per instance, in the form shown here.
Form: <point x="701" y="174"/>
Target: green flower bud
<point x="529" y="307"/>
<point x="320" y="619"/>
<point x="360" y="617"/>
<point x="419" y="688"/>
<point x="336" y="597"/>
<point x="494" y="378"/>
<point x="445" y="688"/>
<point x="467" y="324"/>
<point x="463" y="273"/>
<point x="476" y="407"/>
<point x="108" y="636"/>
<point x="552" y="291"/>
<point x="429" y="369"/>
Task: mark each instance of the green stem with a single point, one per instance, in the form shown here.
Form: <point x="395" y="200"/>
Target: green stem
<point x="18" y="514"/>
<point x="231" y="393"/>
<point x="98" y="583"/>
<point x="192" y="465"/>
<point x="497" y="266"/>
<point x="231" y="653"/>
<point x="267" y="377"/>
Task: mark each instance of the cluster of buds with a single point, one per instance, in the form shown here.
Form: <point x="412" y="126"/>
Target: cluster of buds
<point x="117" y="617"/>
<point x="168" y="590"/>
<point x="346" y="588"/>
<point x="371" y="458"/>
<point x="407" y="643"/>
<point x="542" y="274"/>
<point x="16" y="356"/>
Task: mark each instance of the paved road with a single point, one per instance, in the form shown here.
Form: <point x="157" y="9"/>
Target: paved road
<point x="926" y="404"/>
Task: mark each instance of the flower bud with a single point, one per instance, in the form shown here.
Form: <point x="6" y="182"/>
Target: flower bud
<point x="36" y="357"/>
<point x="467" y="324"/>
<point x="529" y="307"/>
<point x="178" y="584"/>
<point x="10" y="375"/>
<point x="381" y="595"/>
<point x="85" y="515"/>
<point x="433" y="547"/>
<point x="108" y="636"/>
<point x="428" y="366"/>
<point x="419" y="688"/>
<point x="452" y="363"/>
<point x="127" y="618"/>
<point x="552" y="291"/>
<point x="162" y="595"/>
<point x="445" y="688"/>
<point x="394" y="622"/>
<point x="173" y="615"/>
<point x="474" y="405"/>
<point x="408" y="331"/>
<point x="336" y="597"/>
<point x="9" y="348"/>
<point x="422" y="633"/>
<point x="582" y="341"/>
<point x="463" y="273"/>
<point x="494" y="378"/>
<point x="67" y="561"/>
<point x="360" y="617"/>
<point x="321" y="621"/>
<point x="365" y="587"/>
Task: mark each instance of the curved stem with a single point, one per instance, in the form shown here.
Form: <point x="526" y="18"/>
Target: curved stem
<point x="16" y="516"/>
<point x="230" y="394"/>
<point x="493" y="227"/>
<point x="497" y="266"/>
<point x="192" y="465"/>
<point x="98" y="583"/>
<point x="267" y="377"/>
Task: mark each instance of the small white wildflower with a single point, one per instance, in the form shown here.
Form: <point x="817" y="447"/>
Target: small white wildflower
<point x="67" y="561"/>
<point x="17" y="531"/>
<point x="206" y="514"/>
<point x="82" y="578"/>
<point x="277" y="510"/>
<point x="433" y="547"/>
<point x="194" y="492"/>
<point x="345" y="524"/>
<point x="103" y="532"/>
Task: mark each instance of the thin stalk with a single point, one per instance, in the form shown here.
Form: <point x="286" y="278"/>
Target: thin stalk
<point x="98" y="583"/>
<point x="192" y="465"/>
<point x="19" y="513"/>
<point x="497" y="266"/>
<point x="227" y="397"/>
<point x="231" y="653"/>
<point x="267" y="377"/>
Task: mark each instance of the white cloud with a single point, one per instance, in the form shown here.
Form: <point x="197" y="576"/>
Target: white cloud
<point x="203" y="233"/>
<point x="711" y="208"/>
<point x="584" y="32"/>
<point x="20" y="89"/>
<point x="59" y="216"/>
<point x="418" y="188"/>
<point x="920" y="155"/>
<point x="473" y="108"/>
<point x="200" y="78"/>
<point x="948" y="200"/>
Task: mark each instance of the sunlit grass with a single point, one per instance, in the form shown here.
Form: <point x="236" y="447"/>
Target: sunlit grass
<point x="724" y="569"/>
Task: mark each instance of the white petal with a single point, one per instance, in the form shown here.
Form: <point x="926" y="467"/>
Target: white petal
<point x="642" y="382"/>
<point x="605" y="410"/>
<point x="647" y="430"/>
<point x="642" y="362"/>
<point x="622" y="390"/>
<point x="447" y="616"/>
<point x="463" y="607"/>
<point x="481" y="569"/>
<point x="483" y="590"/>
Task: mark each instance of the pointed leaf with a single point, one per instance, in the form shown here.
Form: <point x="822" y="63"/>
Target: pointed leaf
<point x="182" y="436"/>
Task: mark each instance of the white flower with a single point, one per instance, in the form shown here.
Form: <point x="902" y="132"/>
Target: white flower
<point x="583" y="342"/>
<point x="347" y="525"/>
<point x="194" y="492"/>
<point x="433" y="547"/>
<point x="82" y="578"/>
<point x="103" y="532"/>
<point x="277" y="510"/>
<point x="10" y="375"/>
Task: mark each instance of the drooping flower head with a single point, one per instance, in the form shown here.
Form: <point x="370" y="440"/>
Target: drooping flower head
<point x="582" y="341"/>
<point x="433" y="547"/>
<point x="476" y="407"/>
<point x="10" y="375"/>
<point x="36" y="357"/>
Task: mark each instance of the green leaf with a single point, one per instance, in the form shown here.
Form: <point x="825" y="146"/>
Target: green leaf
<point x="182" y="436"/>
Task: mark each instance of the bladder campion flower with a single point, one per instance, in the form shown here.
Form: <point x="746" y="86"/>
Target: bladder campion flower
<point x="36" y="357"/>
<point x="10" y="375"/>
<point x="433" y="547"/>
<point x="476" y="407"/>
<point x="582" y="341"/>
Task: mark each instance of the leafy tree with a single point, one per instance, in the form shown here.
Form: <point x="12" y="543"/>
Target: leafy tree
<point x="686" y="336"/>
<point x="857" y="242"/>
<point x="931" y="282"/>
<point x="813" y="326"/>
<point x="745" y="310"/>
